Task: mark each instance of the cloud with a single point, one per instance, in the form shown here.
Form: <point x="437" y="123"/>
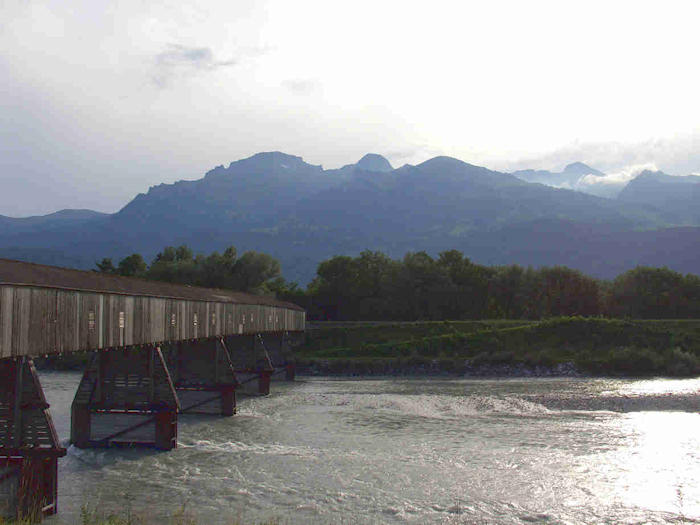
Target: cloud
<point x="178" y="60"/>
<point x="302" y="86"/>
<point x="674" y="155"/>
<point x="619" y="178"/>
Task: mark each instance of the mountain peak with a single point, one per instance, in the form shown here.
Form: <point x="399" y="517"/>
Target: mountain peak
<point x="272" y="158"/>
<point x="374" y="162"/>
<point x="267" y="161"/>
<point x="443" y="161"/>
<point x="275" y="155"/>
<point x="579" y="168"/>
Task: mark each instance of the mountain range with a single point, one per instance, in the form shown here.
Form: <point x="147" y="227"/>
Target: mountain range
<point x="569" y="178"/>
<point x="303" y="214"/>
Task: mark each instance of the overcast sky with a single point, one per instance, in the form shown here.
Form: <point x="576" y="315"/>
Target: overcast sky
<point x="100" y="100"/>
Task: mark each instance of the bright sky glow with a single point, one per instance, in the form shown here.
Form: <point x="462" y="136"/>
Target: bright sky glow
<point x="101" y="99"/>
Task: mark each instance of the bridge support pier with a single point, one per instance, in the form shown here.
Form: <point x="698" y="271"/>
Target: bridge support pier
<point x="251" y="362"/>
<point x="204" y="376"/>
<point x="29" y="447"/>
<point x="290" y="372"/>
<point x="261" y="357"/>
<point x="286" y="343"/>
<point x="278" y="348"/>
<point x="126" y="397"/>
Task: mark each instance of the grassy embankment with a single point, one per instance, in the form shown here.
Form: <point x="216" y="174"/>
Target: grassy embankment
<point x="595" y="346"/>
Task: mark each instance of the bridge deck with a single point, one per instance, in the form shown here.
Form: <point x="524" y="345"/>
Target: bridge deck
<point x="48" y="310"/>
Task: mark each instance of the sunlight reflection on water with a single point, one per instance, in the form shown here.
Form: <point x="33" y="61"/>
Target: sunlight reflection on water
<point x="656" y="464"/>
<point x="660" y="386"/>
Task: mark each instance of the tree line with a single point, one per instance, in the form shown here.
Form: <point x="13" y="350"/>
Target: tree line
<point x="375" y="287"/>
<point x="252" y="272"/>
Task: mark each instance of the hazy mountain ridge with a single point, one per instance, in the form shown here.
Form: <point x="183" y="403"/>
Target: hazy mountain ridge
<point x="674" y="194"/>
<point x="575" y="176"/>
<point x="50" y="221"/>
<point x="302" y="214"/>
<point x="61" y="215"/>
<point x="639" y="190"/>
<point x="566" y="178"/>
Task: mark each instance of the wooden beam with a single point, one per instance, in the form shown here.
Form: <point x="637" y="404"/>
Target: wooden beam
<point x="17" y="398"/>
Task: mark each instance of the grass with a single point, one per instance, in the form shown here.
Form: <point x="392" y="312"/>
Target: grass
<point x="354" y="335"/>
<point x="595" y="345"/>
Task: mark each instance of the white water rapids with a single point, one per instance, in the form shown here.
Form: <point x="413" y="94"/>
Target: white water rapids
<point x="410" y="451"/>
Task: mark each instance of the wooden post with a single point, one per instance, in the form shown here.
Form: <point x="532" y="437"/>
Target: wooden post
<point x="150" y="373"/>
<point x="166" y="430"/>
<point x="228" y="401"/>
<point x="102" y="365"/>
<point x="80" y="425"/>
<point x="16" y="396"/>
<point x="178" y="361"/>
<point x="51" y="483"/>
<point x="290" y="372"/>
<point x="264" y="382"/>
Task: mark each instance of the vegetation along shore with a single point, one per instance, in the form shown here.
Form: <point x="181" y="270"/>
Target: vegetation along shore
<point x="375" y="315"/>
<point x="557" y="346"/>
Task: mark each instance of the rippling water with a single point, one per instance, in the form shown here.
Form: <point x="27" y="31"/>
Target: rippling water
<point x="412" y="451"/>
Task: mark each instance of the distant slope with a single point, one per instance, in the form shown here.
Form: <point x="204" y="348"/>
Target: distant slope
<point x="303" y="214"/>
<point x="674" y="195"/>
<point x="51" y="220"/>
<point x="569" y="178"/>
<point x="597" y="250"/>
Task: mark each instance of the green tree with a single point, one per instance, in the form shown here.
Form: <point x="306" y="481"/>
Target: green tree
<point x="467" y="296"/>
<point x="219" y="270"/>
<point x="253" y="269"/>
<point x="506" y="288"/>
<point x="284" y="290"/>
<point x="106" y="266"/>
<point x="335" y="288"/>
<point x="132" y="266"/>
<point x="175" y="265"/>
<point x="653" y="293"/>
<point x="560" y="291"/>
<point x="424" y="286"/>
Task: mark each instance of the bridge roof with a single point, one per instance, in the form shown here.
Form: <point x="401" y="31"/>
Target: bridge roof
<point x="19" y="273"/>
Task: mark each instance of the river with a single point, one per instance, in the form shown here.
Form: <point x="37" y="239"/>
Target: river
<point x="410" y="451"/>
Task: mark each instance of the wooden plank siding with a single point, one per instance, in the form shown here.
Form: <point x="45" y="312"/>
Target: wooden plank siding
<point x="6" y="302"/>
<point x="37" y="320"/>
<point x="20" y="320"/>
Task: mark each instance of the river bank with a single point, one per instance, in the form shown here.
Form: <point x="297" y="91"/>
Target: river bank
<point x="570" y="346"/>
<point x="434" y="368"/>
<point x="561" y="347"/>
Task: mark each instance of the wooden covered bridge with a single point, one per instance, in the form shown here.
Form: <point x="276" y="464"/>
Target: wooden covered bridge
<point x="156" y="350"/>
